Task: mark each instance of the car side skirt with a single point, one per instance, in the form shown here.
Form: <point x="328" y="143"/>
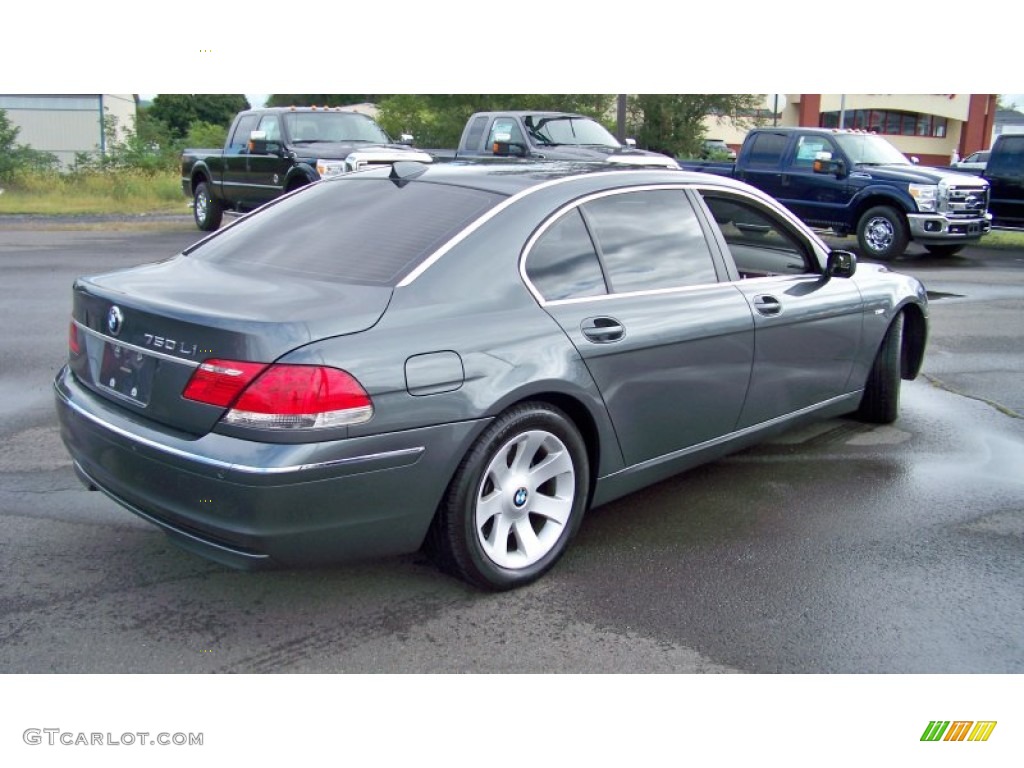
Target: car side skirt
<point x="630" y="479"/>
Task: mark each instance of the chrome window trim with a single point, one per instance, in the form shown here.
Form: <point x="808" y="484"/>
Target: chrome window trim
<point x="817" y="245"/>
<point x="484" y="218"/>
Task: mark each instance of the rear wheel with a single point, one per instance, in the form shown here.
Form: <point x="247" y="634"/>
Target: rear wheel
<point x="882" y="233"/>
<point x="516" y="500"/>
<point x="880" y="403"/>
<point x="207" y="211"/>
<point x="943" y="250"/>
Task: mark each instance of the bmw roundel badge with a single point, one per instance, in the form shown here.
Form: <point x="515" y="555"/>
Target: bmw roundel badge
<point x="115" y="320"/>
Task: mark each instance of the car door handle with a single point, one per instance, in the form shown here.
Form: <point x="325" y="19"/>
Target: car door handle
<point x="767" y="305"/>
<point x="602" y="330"/>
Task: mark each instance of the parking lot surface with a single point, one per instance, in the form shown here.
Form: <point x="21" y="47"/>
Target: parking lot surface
<point x="841" y="547"/>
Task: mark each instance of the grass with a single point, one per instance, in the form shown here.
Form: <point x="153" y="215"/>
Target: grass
<point x="1003" y="240"/>
<point x="94" y="193"/>
<point x="127" y="192"/>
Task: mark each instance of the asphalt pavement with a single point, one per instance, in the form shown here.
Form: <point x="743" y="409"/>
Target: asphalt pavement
<point x="841" y="547"/>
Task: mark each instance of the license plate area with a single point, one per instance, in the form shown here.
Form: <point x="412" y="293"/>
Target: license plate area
<point x="127" y="373"/>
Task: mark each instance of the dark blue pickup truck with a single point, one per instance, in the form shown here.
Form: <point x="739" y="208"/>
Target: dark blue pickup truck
<point x="855" y="182"/>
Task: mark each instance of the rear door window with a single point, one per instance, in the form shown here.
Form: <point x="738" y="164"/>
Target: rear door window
<point x="1009" y="160"/>
<point x="649" y="240"/>
<point x="240" y="138"/>
<point x="766" y="150"/>
<point x="563" y="263"/>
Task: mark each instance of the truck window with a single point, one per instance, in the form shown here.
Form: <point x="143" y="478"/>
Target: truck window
<point x="1009" y="160"/>
<point x="766" y="150"/>
<point x="505" y="129"/>
<point x="649" y="240"/>
<point x="808" y="148"/>
<point x="240" y="138"/>
<point x="760" y="243"/>
<point x="271" y="126"/>
<point x="476" y="132"/>
<point x="563" y="263"/>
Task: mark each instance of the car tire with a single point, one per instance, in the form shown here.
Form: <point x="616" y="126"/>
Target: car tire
<point x="944" y="250"/>
<point x="880" y="403"/>
<point x="516" y="500"/>
<point x="882" y="233"/>
<point x="207" y="211"/>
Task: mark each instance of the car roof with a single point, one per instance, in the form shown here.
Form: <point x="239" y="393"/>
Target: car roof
<point x="533" y="113"/>
<point x="512" y="177"/>
<point x="284" y="110"/>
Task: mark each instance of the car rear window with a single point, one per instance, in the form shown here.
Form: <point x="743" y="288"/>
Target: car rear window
<point x="368" y="231"/>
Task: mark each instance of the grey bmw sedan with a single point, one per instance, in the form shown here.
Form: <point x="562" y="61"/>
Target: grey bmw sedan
<point x="466" y="358"/>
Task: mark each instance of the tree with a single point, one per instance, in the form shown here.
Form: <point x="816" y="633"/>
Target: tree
<point x="179" y="110"/>
<point x="437" y="120"/>
<point x="318" y="100"/>
<point x="675" y="123"/>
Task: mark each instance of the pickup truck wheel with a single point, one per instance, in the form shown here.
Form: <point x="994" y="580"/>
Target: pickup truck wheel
<point x="516" y="500"/>
<point x="943" y="250"/>
<point x="882" y="233"/>
<point x="880" y="403"/>
<point x="207" y="211"/>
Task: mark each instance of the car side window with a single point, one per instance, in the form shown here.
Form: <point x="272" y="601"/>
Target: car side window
<point x="760" y="243"/>
<point x="563" y="263"/>
<point x="648" y="240"/>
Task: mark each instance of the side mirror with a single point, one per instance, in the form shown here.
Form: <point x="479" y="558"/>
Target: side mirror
<point x="834" y="166"/>
<point x="841" y="264"/>
<point x="508" y="149"/>
<point x="631" y="143"/>
<point x="258" y="144"/>
<point x="406" y="138"/>
<point x="915" y="159"/>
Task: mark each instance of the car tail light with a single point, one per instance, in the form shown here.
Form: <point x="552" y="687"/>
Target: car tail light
<point x="73" y="343"/>
<point x="281" y="396"/>
<point x="220" y="382"/>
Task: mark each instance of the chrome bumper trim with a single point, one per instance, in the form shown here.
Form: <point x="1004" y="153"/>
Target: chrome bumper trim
<point x="405" y="456"/>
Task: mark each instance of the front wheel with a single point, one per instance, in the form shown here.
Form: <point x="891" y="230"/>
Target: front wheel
<point x="205" y="209"/>
<point x="943" y="250"/>
<point x="880" y="403"/>
<point x="882" y="233"/>
<point x="516" y="500"/>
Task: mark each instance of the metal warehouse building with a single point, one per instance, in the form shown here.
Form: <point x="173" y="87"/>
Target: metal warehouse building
<point x="65" y="124"/>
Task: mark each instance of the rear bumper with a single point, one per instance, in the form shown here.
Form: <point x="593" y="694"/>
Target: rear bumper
<point x="936" y="227"/>
<point x="252" y="505"/>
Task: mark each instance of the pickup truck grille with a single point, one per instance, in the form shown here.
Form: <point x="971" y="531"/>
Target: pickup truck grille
<point x="965" y="200"/>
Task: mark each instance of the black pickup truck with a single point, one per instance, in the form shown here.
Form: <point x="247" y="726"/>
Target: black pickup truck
<point x="856" y="182"/>
<point x="1005" y="175"/>
<point x="563" y="136"/>
<point x="272" y="151"/>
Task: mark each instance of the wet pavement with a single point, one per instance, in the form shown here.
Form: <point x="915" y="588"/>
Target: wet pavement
<point x="841" y="547"/>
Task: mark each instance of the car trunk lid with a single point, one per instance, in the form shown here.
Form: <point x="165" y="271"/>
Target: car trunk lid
<point x="141" y="334"/>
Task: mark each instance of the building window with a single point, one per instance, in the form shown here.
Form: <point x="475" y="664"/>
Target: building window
<point x="891" y="122"/>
